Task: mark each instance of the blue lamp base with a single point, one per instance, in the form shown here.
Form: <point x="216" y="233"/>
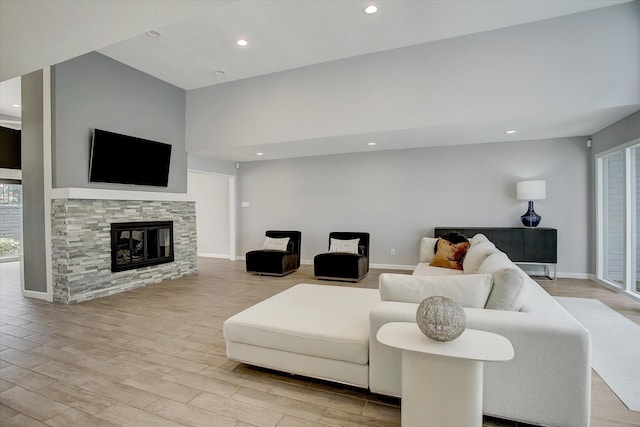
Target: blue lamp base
<point x="531" y="219"/>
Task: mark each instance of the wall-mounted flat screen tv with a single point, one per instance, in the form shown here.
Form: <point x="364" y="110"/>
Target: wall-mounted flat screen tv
<point x="123" y="159"/>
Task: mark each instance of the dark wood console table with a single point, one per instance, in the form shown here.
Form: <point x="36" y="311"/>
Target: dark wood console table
<point x="522" y="245"/>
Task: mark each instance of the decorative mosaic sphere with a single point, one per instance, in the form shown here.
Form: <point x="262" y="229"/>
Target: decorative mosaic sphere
<point x="441" y="318"/>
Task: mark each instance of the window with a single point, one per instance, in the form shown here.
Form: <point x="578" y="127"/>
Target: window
<point x="10" y="220"/>
<point x="613" y="198"/>
<point x="10" y="194"/>
<point x="618" y="218"/>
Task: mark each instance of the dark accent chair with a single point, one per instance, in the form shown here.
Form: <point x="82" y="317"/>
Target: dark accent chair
<point x="276" y="263"/>
<point x="344" y="266"/>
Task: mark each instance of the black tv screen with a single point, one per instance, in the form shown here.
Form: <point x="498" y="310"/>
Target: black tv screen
<point x="123" y="159"/>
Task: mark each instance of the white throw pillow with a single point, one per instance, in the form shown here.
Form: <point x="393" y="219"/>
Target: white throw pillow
<point x="470" y="290"/>
<point x="509" y="291"/>
<point x="478" y="238"/>
<point x="276" y="244"/>
<point x="495" y="262"/>
<point x="427" y="248"/>
<point x="476" y="254"/>
<point x="344" y="246"/>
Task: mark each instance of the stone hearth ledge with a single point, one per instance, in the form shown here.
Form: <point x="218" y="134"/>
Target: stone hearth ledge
<point x="105" y="194"/>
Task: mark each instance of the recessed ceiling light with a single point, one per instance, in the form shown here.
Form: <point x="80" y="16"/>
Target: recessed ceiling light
<point x="511" y="131"/>
<point x="219" y="72"/>
<point x="153" y="33"/>
<point x="242" y="42"/>
<point x="371" y="144"/>
<point x="259" y="154"/>
<point x="16" y="105"/>
<point x="371" y="9"/>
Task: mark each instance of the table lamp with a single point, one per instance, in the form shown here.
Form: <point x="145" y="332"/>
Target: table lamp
<point x="531" y="190"/>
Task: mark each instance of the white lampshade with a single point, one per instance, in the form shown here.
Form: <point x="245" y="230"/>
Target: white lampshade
<point x="531" y="190"/>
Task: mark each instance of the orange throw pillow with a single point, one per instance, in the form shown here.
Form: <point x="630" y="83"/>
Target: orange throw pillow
<point x="449" y="255"/>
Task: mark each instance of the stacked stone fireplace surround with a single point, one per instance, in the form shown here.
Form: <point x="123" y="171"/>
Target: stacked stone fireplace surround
<point x="81" y="246"/>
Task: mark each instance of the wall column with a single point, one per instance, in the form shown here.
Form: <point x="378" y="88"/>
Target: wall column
<point x="36" y="184"/>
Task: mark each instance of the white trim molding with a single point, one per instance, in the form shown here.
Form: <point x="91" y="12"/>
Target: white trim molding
<point x="617" y="289"/>
<point x="10" y="173"/>
<point x="37" y="295"/>
<point x="47" y="160"/>
<point x="105" y="194"/>
<point x="630" y="272"/>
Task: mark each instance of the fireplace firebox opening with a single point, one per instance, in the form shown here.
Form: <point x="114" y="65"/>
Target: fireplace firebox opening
<point x="141" y="244"/>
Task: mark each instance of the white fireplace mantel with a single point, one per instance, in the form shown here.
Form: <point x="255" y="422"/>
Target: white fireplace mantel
<point x="102" y="194"/>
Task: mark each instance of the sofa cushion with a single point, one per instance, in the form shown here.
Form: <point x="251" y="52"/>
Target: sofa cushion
<point x="470" y="290"/>
<point x="424" y="269"/>
<point x="276" y="244"/>
<point x="427" y="248"/>
<point x="323" y="321"/>
<point x="476" y="254"/>
<point x="509" y="290"/>
<point x="449" y="255"/>
<point x="478" y="238"/>
<point x="495" y="262"/>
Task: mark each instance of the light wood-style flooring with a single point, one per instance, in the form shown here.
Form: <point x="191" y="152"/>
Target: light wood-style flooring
<point x="155" y="356"/>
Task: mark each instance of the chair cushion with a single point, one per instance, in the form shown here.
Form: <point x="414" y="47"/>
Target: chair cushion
<point x="269" y="261"/>
<point x="470" y="290"/>
<point x="323" y="321"/>
<point x="340" y="265"/>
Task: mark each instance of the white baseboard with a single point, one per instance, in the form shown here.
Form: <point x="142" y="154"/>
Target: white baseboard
<point x="205" y="255"/>
<point x="36" y="295"/>
<point x="564" y="275"/>
<point x="621" y="291"/>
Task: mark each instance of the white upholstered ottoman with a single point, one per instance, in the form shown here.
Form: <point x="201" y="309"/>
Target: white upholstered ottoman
<point x="319" y="331"/>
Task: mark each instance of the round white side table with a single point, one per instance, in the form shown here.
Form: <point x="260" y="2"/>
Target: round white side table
<point x="442" y="381"/>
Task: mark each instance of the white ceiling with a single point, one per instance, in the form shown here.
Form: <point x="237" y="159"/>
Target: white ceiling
<point x="286" y="34"/>
<point x="198" y="37"/>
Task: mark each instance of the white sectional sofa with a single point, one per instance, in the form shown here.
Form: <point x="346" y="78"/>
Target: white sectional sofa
<point x="329" y="332"/>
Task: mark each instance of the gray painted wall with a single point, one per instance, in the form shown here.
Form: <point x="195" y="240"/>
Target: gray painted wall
<point x="211" y="194"/>
<point x="93" y="91"/>
<point x="206" y="164"/>
<point x="400" y="196"/>
<point x="621" y="132"/>
<point x="33" y="243"/>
